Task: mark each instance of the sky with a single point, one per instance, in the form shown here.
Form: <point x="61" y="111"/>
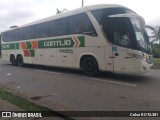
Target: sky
<point x="20" y="12"/>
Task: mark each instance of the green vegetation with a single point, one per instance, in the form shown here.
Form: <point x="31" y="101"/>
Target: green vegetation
<point x="0" y="45"/>
<point x="156" y="55"/>
<point x="156" y="64"/>
<point x="156" y="50"/>
<point x="23" y="103"/>
<point x="20" y="102"/>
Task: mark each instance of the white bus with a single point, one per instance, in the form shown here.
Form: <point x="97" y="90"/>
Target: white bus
<point x="94" y="38"/>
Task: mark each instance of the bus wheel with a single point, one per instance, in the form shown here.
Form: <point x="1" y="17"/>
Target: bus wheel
<point x="90" y="66"/>
<point x="20" y="61"/>
<point x="13" y="60"/>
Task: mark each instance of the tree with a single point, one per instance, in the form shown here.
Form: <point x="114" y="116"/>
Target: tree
<point x="156" y="50"/>
<point x="153" y="37"/>
<point x="155" y="41"/>
<point x="158" y="35"/>
<point x="0" y="44"/>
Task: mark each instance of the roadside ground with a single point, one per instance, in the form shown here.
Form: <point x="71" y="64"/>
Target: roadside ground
<point x="9" y="102"/>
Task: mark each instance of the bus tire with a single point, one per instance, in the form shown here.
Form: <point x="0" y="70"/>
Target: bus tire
<point x="13" y="60"/>
<point x="90" y="66"/>
<point x="20" y="62"/>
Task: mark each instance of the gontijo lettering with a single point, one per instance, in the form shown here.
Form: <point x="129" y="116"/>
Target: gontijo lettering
<point x="57" y="43"/>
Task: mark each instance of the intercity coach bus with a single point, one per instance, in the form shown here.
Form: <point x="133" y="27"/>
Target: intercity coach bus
<point x="94" y="38"/>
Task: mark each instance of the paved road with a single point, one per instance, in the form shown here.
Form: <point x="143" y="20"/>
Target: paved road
<point x="66" y="89"/>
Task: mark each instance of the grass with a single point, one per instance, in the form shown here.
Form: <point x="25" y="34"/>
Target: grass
<point x="156" y="64"/>
<point x="20" y="102"/>
<point x="23" y="103"/>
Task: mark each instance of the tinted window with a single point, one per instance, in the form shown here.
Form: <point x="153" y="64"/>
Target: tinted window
<point x="58" y="27"/>
<point x="28" y="33"/>
<point x="80" y="24"/>
<point x="122" y="36"/>
<point x="42" y="30"/>
<point x="4" y="37"/>
<point x="119" y="31"/>
<point x="102" y="14"/>
<point x="98" y="15"/>
<point x="18" y="35"/>
<point x="77" y="24"/>
<point x="52" y="26"/>
<point x="11" y="36"/>
<point x="7" y="36"/>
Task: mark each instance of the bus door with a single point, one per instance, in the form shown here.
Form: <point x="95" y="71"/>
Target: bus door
<point x="118" y="31"/>
<point x="122" y="53"/>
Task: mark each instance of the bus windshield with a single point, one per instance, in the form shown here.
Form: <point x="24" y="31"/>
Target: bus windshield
<point x="123" y="27"/>
<point x="132" y="24"/>
<point x="141" y="34"/>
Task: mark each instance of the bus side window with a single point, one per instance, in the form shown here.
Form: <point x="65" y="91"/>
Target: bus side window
<point x="58" y="27"/>
<point x="98" y="15"/>
<point x="6" y="36"/>
<point x="11" y="36"/>
<point x="45" y="29"/>
<point x="19" y="34"/>
<point x="52" y="25"/>
<point x="80" y="24"/>
<point x="42" y="30"/>
<point x="121" y="32"/>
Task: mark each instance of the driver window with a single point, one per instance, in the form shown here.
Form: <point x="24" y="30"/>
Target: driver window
<point x="121" y="34"/>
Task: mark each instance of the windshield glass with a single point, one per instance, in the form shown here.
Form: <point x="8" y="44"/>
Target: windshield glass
<point x="123" y="27"/>
<point x="141" y="34"/>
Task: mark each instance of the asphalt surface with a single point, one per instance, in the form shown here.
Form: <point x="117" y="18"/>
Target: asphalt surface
<point x="70" y="90"/>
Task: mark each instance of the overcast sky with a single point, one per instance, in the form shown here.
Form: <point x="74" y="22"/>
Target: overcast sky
<point x="19" y="12"/>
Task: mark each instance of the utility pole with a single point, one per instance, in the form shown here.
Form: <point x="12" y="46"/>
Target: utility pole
<point x="82" y="3"/>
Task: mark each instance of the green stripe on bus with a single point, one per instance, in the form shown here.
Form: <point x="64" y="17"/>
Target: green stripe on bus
<point x="51" y="43"/>
<point x="61" y="43"/>
<point x="81" y="40"/>
<point x="32" y="53"/>
<point x="56" y="43"/>
<point x="10" y="46"/>
<point x="16" y="45"/>
<point x="29" y="45"/>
